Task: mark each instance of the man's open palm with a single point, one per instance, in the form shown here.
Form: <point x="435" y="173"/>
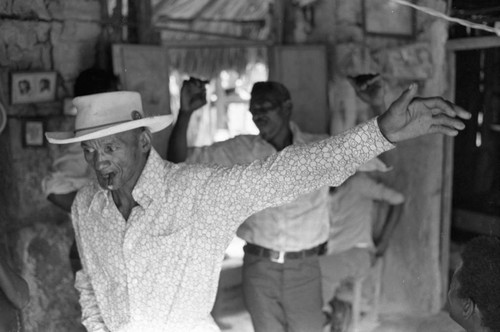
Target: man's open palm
<point x="410" y="117"/>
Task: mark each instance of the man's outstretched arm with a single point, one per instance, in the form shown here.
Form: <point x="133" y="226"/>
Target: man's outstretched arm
<point x="299" y="169"/>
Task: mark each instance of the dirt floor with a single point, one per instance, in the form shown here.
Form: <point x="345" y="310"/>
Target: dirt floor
<point x="240" y="322"/>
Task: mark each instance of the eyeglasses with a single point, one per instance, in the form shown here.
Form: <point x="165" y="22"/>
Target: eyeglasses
<point x="263" y="109"/>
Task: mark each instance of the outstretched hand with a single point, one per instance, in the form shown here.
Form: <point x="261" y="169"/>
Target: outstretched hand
<point x="370" y="89"/>
<point x="193" y="95"/>
<point x="410" y="117"/>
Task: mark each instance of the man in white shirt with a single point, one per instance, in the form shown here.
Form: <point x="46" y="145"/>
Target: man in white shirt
<point x="152" y="234"/>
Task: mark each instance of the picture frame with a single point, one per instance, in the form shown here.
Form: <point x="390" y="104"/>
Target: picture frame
<point x="33" y="132"/>
<point x="33" y="87"/>
<point x="3" y="117"/>
<point x="386" y="18"/>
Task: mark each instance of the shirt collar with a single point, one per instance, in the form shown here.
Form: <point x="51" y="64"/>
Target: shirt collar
<point x="298" y="136"/>
<point x="100" y="199"/>
<point x="147" y="187"/>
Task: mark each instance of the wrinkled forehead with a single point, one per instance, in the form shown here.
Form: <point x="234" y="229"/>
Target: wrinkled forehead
<point x="122" y="137"/>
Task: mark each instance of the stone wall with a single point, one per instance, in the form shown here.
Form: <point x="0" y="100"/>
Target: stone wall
<point x="41" y="35"/>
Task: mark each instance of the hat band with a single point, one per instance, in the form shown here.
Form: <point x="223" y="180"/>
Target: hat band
<point x="104" y="125"/>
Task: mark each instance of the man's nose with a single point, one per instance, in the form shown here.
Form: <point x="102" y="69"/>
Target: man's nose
<point x="100" y="161"/>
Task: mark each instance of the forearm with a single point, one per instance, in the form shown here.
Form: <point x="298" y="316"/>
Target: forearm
<point x="177" y="145"/>
<point x="64" y="201"/>
<point x="296" y="170"/>
<point x="331" y="161"/>
<point x="91" y="314"/>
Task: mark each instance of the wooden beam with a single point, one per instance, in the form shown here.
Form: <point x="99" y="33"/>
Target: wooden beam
<point x="476" y="222"/>
<point x="141" y="30"/>
<point x="464" y="44"/>
<point x="278" y="21"/>
<point x="215" y="43"/>
<point x="208" y="33"/>
<point x="447" y="185"/>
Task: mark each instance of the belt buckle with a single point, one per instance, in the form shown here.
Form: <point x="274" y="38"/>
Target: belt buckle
<point x="280" y="259"/>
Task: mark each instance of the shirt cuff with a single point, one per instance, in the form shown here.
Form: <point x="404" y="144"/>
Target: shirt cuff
<point x="381" y="136"/>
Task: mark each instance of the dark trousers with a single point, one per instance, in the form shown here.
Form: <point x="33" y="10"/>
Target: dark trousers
<point x="283" y="297"/>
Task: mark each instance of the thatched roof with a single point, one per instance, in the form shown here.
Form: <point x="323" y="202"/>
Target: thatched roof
<point x="233" y="19"/>
<point x="207" y="36"/>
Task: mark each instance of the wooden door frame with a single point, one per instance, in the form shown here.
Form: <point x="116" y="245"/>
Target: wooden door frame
<point x="452" y="46"/>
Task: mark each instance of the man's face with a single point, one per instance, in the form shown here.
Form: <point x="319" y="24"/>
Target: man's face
<point x="23" y="85"/>
<point x="117" y="160"/>
<point x="44" y="84"/>
<point x="269" y="118"/>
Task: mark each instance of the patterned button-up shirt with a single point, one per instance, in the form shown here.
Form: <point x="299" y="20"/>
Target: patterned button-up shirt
<point x="159" y="270"/>
<point x="294" y="226"/>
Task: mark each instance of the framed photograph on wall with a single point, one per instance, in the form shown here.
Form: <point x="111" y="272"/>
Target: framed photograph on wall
<point x="33" y="131"/>
<point x="388" y="18"/>
<point x="33" y="87"/>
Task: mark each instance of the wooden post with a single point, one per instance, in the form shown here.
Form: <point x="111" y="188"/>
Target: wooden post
<point x="141" y="30"/>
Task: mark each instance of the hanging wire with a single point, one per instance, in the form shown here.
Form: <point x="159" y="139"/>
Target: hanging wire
<point x="436" y="13"/>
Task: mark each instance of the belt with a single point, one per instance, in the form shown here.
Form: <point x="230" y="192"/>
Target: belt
<point x="280" y="256"/>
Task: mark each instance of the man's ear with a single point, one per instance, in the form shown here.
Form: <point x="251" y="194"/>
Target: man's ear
<point x="287" y="106"/>
<point x="145" y="140"/>
<point x="468" y="307"/>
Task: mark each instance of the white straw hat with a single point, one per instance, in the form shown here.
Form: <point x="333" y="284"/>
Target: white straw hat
<point x="105" y="114"/>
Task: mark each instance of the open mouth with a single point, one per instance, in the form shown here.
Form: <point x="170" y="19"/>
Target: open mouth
<point x="108" y="179"/>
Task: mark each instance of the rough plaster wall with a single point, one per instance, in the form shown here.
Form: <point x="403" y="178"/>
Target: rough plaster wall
<point x="420" y="164"/>
<point x="411" y="279"/>
<point x="36" y="35"/>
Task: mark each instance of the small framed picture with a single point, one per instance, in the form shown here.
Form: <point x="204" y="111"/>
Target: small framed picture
<point x="33" y="131"/>
<point x="33" y="87"/>
<point x="387" y="18"/>
<point x="3" y="117"/>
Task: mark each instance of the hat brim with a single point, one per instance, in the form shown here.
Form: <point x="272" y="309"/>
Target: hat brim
<point x="154" y="124"/>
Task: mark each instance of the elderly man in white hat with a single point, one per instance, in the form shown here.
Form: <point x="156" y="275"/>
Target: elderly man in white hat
<point x="152" y="234"/>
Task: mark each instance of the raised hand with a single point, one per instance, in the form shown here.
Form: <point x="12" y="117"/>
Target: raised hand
<point x="193" y="95"/>
<point x="410" y="117"/>
<point x="370" y="89"/>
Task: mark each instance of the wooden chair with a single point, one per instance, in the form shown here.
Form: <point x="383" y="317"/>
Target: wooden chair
<point x="363" y="308"/>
